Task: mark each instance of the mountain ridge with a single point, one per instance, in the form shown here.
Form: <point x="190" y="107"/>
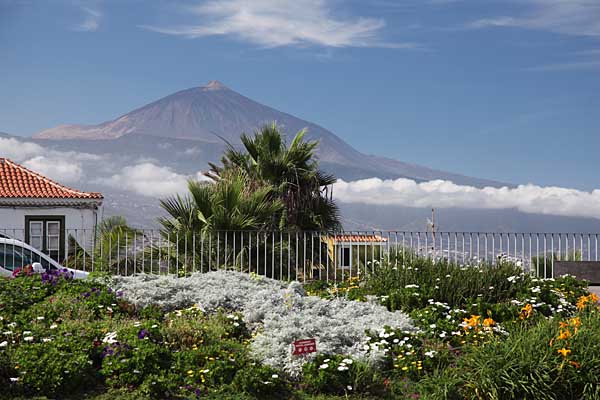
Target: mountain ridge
<point x="214" y="112"/>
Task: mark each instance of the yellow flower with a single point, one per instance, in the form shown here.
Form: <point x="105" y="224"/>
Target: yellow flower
<point x="190" y="372"/>
<point x="404" y="368"/>
<point x="489" y="322"/>
<point x="526" y="311"/>
<point x="564" y="352"/>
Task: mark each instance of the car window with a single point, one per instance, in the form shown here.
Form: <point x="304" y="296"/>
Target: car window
<point x="14" y="257"/>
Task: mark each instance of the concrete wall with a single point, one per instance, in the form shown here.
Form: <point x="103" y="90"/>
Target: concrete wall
<point x="79" y="223"/>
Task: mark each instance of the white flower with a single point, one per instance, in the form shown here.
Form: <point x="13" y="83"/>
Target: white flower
<point x="110" y="338"/>
<point x="413" y="286"/>
<point x="342" y="368"/>
<point x="324" y="366"/>
<point x="349" y="387"/>
<point x="347" y="361"/>
<point x="53" y="326"/>
<point x="14" y="379"/>
<point x="4" y="344"/>
<point x="46" y="340"/>
<point x="40" y="318"/>
<point x="28" y="338"/>
<point x="432" y="326"/>
<point x="430" y="353"/>
<point x="26" y="332"/>
<point x="511" y="279"/>
<point x="12" y="325"/>
<point x="274" y="376"/>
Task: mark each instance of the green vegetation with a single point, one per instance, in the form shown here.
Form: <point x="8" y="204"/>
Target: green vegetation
<point x="485" y="333"/>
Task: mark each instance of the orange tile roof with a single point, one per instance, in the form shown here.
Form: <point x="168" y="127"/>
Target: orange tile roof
<point x="17" y="181"/>
<point x="358" y="238"/>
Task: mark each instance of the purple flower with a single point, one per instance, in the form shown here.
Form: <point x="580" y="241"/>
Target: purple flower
<point x="86" y="294"/>
<point x="119" y="294"/>
<point x="142" y="334"/>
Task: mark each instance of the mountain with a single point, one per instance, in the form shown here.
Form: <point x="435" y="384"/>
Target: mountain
<point x="203" y="116"/>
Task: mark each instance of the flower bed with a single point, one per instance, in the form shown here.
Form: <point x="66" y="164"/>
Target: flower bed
<point x="279" y="313"/>
<point x="496" y="333"/>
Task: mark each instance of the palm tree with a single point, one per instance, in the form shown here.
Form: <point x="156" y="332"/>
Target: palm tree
<point x="200" y="224"/>
<point x="111" y="250"/>
<point x="293" y="173"/>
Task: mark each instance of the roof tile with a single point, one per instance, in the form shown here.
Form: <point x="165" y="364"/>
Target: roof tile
<point x="17" y="181"/>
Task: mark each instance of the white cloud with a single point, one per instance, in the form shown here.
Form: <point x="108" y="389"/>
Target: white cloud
<point x="91" y="20"/>
<point x="571" y="17"/>
<point x="149" y="179"/>
<point x="63" y="167"/>
<point x="18" y="151"/>
<point x="275" y="23"/>
<point x="60" y="170"/>
<point x="445" y="194"/>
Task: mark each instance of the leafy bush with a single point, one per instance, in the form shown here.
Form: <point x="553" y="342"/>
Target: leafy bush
<point x="341" y="375"/>
<point x="262" y="382"/>
<point x="57" y="366"/>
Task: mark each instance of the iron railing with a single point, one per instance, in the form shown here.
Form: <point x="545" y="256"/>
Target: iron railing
<point x="305" y="255"/>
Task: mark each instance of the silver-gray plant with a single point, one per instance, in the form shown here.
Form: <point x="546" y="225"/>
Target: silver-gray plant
<point x="280" y="313"/>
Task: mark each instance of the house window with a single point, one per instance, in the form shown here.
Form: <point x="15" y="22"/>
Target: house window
<point x="35" y="234"/>
<point x="52" y="235"/>
<point x="46" y="233"/>
<point x="345" y="257"/>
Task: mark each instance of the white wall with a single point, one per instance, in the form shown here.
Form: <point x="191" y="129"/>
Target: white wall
<point x="12" y="221"/>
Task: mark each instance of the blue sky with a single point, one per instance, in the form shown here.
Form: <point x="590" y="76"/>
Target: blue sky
<point x="506" y="90"/>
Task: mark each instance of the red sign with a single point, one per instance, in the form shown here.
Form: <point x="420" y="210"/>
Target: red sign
<point x="304" y="346"/>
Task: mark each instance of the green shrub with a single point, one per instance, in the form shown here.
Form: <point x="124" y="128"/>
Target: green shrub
<point x="262" y="382"/>
<point x="336" y="374"/>
<point x="60" y="366"/>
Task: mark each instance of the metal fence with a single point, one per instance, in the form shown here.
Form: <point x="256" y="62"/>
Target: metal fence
<point x="307" y="255"/>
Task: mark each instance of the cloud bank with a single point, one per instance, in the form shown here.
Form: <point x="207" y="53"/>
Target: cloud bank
<point x="64" y="167"/>
<point x="444" y="194"/>
<point x="276" y="23"/>
<point x="149" y="179"/>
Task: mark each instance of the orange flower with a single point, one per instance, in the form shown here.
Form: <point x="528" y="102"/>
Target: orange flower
<point x="488" y="322"/>
<point x="575" y="364"/>
<point x="551" y="342"/>
<point x="472" y="322"/>
<point x="564" y="335"/>
<point x="563" y="324"/>
<point x="564" y="352"/>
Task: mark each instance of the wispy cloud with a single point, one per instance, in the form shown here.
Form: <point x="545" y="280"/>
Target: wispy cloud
<point x="571" y="17"/>
<point x="91" y="20"/>
<point x="580" y="60"/>
<point x="445" y="194"/>
<point x="277" y="23"/>
<point x="568" y="66"/>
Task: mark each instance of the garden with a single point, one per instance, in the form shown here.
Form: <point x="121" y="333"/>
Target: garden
<point x="415" y="328"/>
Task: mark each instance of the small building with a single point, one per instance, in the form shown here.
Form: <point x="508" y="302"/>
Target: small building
<point x="45" y="213"/>
<point x="354" y="251"/>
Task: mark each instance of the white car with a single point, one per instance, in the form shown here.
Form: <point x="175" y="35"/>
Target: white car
<point x="15" y="254"/>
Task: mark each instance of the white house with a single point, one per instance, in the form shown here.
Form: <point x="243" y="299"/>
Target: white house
<point x="44" y="213"/>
